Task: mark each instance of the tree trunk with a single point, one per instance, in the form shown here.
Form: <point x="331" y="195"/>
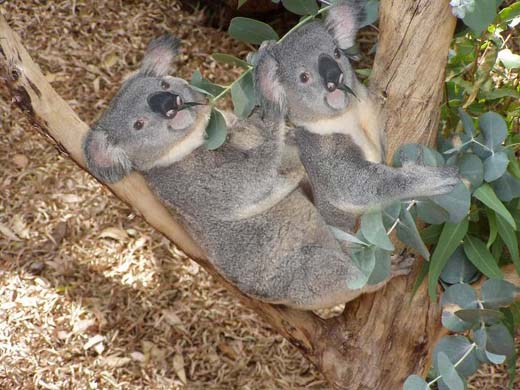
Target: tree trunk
<point x="380" y="338"/>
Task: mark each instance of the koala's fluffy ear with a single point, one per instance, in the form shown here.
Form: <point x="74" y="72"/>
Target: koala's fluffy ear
<point x="343" y="21"/>
<point x="159" y="56"/>
<point x="268" y="87"/>
<point x="106" y="162"/>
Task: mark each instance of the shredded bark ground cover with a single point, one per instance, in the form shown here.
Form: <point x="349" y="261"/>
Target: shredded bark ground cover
<point x="90" y="296"/>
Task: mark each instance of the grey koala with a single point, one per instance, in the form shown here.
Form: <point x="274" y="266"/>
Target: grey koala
<point x="239" y="202"/>
<point x="339" y="129"/>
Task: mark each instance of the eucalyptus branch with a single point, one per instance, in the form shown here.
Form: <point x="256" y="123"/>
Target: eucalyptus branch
<point x="228" y="87"/>
<point x="466" y="354"/>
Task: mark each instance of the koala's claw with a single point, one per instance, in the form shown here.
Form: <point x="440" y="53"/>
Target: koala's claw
<point x="401" y="264"/>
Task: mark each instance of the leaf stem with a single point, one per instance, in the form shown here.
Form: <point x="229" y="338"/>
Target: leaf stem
<point x="484" y="146"/>
<point x="466" y="354"/>
<point x="228" y="87"/>
<point x="412" y="203"/>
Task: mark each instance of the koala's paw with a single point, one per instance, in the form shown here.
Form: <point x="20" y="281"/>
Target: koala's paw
<point x="444" y="180"/>
<point x="401" y="264"/>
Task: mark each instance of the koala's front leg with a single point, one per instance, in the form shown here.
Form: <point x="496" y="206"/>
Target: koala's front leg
<point x="373" y="185"/>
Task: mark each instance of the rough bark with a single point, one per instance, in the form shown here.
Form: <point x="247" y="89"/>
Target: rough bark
<point x="381" y="338"/>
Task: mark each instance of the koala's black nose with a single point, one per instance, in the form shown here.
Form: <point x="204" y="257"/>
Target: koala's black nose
<point x="165" y="103"/>
<point x="330" y="72"/>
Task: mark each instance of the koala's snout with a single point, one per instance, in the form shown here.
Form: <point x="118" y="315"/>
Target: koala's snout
<point x="330" y="72"/>
<point x="165" y="103"/>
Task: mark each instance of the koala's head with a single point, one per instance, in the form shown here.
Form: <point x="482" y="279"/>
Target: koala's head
<point x="307" y="75"/>
<point x="150" y="115"/>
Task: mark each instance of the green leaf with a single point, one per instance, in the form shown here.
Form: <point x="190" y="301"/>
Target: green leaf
<point x="479" y="255"/>
<point x="230" y="59"/>
<point x="476" y="316"/>
<point x="455" y="298"/>
<point x="417" y="153"/>
<point x="449" y="374"/>
<point x="365" y="259"/>
<point x="494" y="129"/>
<point x="456" y="347"/>
<point x="251" y="31"/>
<point x="459" y="269"/>
<point x="510" y="12"/>
<point x="499" y="340"/>
<point x="216" y="131"/>
<point x="467" y="123"/>
<point x="243" y="95"/>
<point x="487" y="196"/>
<point x="431" y="234"/>
<point x="371" y="13"/>
<point x="391" y="213"/>
<point x="420" y="278"/>
<point x="382" y="267"/>
<point x="301" y="7"/>
<point x="210" y="88"/>
<point x="471" y="168"/>
<point x="449" y="240"/>
<point x="407" y="232"/>
<point x="495" y="166"/>
<point x="507" y="187"/>
<point x="497" y="293"/>
<point x="481" y="16"/>
<point x="430" y="212"/>
<point x="510" y="239"/>
<point x="374" y="231"/>
<point x="344" y="236"/>
<point x="456" y="202"/>
<point x="415" y="382"/>
<point x="493" y="230"/>
<point x="509" y="59"/>
<point x="241" y="3"/>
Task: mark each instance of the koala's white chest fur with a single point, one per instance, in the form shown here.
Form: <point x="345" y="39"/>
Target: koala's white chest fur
<point x="361" y="122"/>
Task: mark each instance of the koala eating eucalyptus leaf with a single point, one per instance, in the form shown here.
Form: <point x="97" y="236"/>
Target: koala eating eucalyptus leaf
<point x="240" y="202"/>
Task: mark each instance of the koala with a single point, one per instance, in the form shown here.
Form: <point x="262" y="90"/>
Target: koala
<point x="239" y="202"/>
<point x="337" y="125"/>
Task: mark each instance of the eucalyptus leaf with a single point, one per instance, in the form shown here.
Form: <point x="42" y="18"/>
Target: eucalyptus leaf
<point x="455" y="298"/>
<point x="391" y="213"/>
<point x="493" y="229"/>
<point x="449" y="374"/>
<point x="481" y="258"/>
<point x="344" y="236"/>
<point x="371" y="13"/>
<point x="407" y="232"/>
<point x="495" y="166"/>
<point x="459" y="269"/>
<point x="243" y="95"/>
<point x="471" y="168"/>
<point x="499" y="340"/>
<point x="251" y="31"/>
<point x="479" y="147"/>
<point x="374" y="231"/>
<point x="419" y="154"/>
<point x="431" y="234"/>
<point x="415" y="382"/>
<point x="365" y="260"/>
<point x="382" y="266"/>
<point x="475" y="316"/>
<point x="497" y="293"/>
<point x="456" y="347"/>
<point x="449" y="240"/>
<point x="198" y="81"/>
<point x="509" y="59"/>
<point x="510" y="239"/>
<point x="216" y="131"/>
<point x="430" y="212"/>
<point x="301" y="7"/>
<point x="230" y="59"/>
<point x="494" y="129"/>
<point x="487" y="196"/>
<point x="456" y="202"/>
<point x="507" y="187"/>
<point x="480" y="16"/>
<point x="467" y="123"/>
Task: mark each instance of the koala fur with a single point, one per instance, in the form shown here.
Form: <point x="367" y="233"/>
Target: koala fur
<point x="239" y="202"/>
<point x="338" y="127"/>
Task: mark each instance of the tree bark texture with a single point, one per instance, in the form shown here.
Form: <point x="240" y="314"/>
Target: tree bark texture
<point x="380" y="338"/>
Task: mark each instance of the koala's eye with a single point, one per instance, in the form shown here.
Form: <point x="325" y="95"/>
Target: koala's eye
<point x="165" y="85"/>
<point x="337" y="53"/>
<point x="139" y="124"/>
<point x="304" y="77"/>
